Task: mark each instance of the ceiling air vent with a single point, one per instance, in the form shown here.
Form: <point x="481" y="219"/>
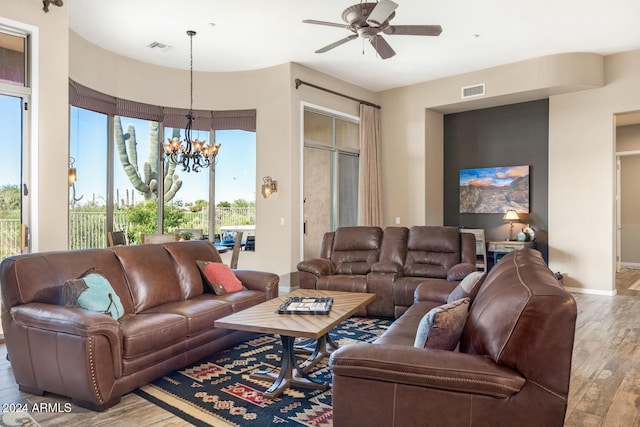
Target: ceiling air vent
<point x="160" y="46"/>
<point x="471" y="91"/>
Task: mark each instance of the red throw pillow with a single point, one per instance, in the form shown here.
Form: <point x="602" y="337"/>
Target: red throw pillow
<point x="217" y="273"/>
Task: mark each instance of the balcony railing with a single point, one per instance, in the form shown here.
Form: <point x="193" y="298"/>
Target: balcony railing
<point x="10" y="237"/>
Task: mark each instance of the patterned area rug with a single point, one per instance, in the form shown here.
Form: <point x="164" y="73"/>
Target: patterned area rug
<point x="219" y="391"/>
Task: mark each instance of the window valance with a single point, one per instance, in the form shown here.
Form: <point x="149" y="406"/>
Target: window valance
<point x="84" y="97"/>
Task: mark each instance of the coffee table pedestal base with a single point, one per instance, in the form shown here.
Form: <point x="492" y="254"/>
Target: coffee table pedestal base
<point x="291" y="374"/>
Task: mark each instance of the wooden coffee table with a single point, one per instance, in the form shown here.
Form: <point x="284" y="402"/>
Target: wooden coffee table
<point x="264" y="318"/>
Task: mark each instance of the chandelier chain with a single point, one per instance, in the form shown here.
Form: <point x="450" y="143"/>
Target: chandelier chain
<point x="191" y="34"/>
<point x="195" y="154"/>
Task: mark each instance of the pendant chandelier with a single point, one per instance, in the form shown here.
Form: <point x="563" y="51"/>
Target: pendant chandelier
<point x="195" y="154"/>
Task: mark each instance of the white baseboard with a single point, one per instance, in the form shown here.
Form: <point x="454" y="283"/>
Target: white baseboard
<point x="610" y="293"/>
<point x="630" y="265"/>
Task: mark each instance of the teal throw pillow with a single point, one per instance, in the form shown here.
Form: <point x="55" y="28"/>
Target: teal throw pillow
<point x="92" y="291"/>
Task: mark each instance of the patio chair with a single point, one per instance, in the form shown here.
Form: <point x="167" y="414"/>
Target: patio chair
<point x="159" y="238"/>
<point x="235" y="254"/>
<point x="250" y="244"/>
<point x="196" y="233"/>
<point x="116" y="238"/>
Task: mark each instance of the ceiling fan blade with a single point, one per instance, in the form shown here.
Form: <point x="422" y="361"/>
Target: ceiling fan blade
<point x="336" y="44"/>
<point x="382" y="47"/>
<point x="381" y="12"/>
<point x="328" y="24"/>
<point x="413" y="30"/>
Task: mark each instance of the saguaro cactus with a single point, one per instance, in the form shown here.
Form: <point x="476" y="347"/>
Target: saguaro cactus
<point x="146" y="182"/>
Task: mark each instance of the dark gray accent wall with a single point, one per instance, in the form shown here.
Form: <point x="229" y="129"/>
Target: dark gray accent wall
<point x="510" y="135"/>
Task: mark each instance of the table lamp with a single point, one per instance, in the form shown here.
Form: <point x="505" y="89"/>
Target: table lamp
<point x="511" y="216"/>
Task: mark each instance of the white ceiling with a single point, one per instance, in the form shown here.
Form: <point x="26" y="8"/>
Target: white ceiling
<point x="253" y="34"/>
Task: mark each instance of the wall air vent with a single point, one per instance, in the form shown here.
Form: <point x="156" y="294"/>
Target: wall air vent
<point x="471" y="91"/>
<point x="160" y="46"/>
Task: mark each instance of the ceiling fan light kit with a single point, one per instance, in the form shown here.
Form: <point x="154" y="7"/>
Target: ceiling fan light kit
<point x="369" y="21"/>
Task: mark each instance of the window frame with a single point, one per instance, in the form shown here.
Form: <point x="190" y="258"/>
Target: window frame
<point x="83" y="97"/>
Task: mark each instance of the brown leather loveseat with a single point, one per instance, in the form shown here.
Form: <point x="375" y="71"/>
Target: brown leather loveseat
<point x="391" y="263"/>
<point x="512" y="368"/>
<point x="91" y="357"/>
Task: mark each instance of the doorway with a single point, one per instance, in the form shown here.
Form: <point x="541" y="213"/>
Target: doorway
<point x="330" y="175"/>
<point x="12" y="188"/>
<point x="14" y="232"/>
<point x="627" y="236"/>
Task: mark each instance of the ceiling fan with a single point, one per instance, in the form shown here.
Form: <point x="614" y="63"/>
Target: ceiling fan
<point x="370" y="21"/>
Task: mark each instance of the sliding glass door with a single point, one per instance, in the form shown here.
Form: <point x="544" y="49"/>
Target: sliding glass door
<point x="331" y="167"/>
<point x="12" y="231"/>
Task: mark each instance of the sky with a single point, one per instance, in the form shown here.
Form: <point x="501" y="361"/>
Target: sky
<point x="10" y="129"/>
<point x="498" y="177"/>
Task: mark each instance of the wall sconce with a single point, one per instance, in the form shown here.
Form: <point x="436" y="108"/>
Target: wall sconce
<point x="511" y="216"/>
<point x="73" y="174"/>
<point x="269" y="186"/>
<point x="46" y="3"/>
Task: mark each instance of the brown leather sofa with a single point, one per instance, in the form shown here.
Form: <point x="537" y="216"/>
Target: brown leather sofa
<point x="391" y="263"/>
<point x="512" y="368"/>
<point x="94" y="359"/>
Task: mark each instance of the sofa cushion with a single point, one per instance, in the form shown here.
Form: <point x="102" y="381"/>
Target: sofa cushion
<point x="40" y="277"/>
<point x="460" y="271"/>
<point x="200" y="311"/>
<point x="243" y="299"/>
<point x="437" y="290"/>
<point x="217" y="273"/>
<point x="468" y="287"/>
<point x="356" y="249"/>
<point x="92" y="291"/>
<point x="148" y="332"/>
<point x="432" y="251"/>
<point x="342" y="283"/>
<point x="185" y="254"/>
<point x="442" y="326"/>
<point x="151" y="275"/>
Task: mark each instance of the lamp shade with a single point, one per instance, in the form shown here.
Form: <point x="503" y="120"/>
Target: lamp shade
<point x="511" y="215"/>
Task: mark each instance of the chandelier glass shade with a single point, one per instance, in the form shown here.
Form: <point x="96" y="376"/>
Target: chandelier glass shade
<point x="191" y="154"/>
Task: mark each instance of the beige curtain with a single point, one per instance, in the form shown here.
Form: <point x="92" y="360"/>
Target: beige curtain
<point x="370" y="195"/>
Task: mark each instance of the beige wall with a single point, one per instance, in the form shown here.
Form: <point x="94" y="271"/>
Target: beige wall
<point x="582" y="175"/>
<point x="47" y="179"/>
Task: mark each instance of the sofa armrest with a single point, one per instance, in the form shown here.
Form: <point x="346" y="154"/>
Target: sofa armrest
<point x="460" y="271"/>
<point x="436" y="369"/>
<point x="387" y="267"/>
<point x="433" y="290"/>
<point x="259" y="281"/>
<point x="317" y="266"/>
<point x="72" y="321"/>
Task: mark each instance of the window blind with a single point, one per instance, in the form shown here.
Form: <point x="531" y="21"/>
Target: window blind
<point x="90" y="99"/>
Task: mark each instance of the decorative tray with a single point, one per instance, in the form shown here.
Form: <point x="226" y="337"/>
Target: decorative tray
<point x="306" y="305"/>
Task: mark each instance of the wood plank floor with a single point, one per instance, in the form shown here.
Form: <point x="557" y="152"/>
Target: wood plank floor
<point x="605" y="380"/>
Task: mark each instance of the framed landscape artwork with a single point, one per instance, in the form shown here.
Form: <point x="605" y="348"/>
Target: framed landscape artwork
<point x="494" y="190"/>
